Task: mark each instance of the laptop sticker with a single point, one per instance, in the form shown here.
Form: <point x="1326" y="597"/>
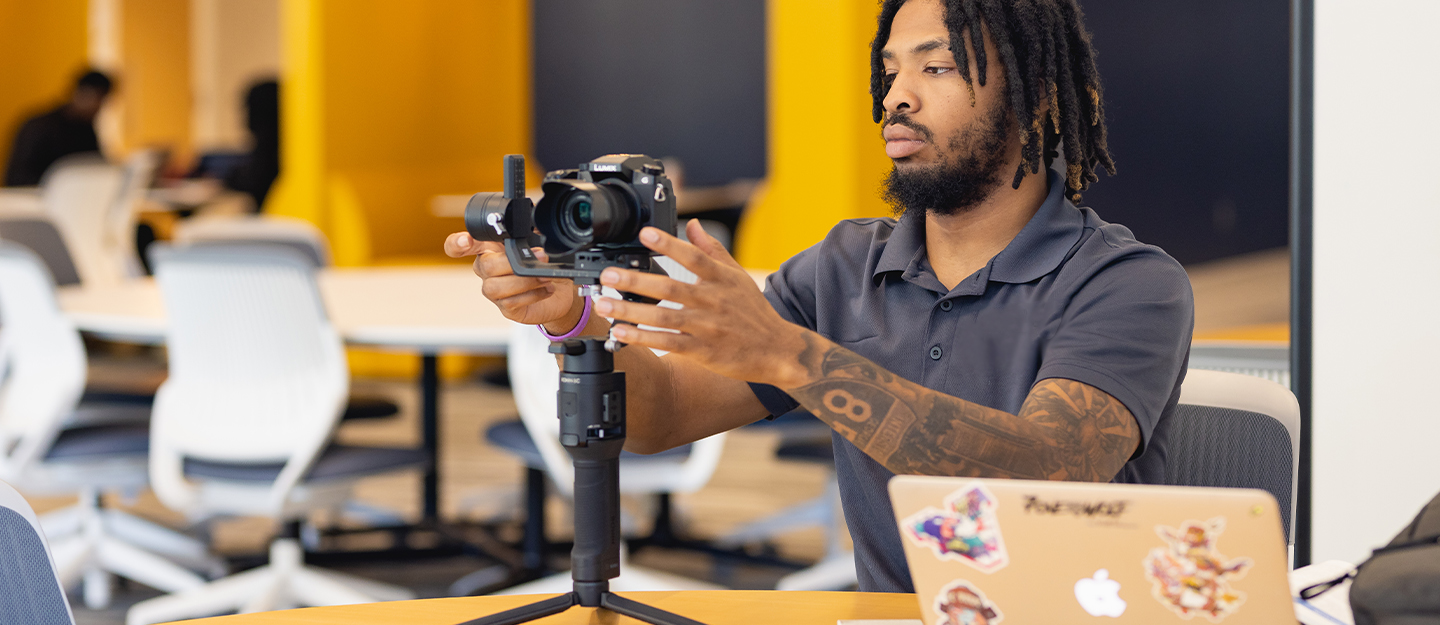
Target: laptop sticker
<point x="1190" y="575"/>
<point x="961" y="603"/>
<point x="966" y="529"/>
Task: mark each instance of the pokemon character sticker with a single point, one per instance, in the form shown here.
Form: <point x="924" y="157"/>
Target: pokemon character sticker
<point x="960" y="603"/>
<point x="1190" y="576"/>
<point x="966" y="530"/>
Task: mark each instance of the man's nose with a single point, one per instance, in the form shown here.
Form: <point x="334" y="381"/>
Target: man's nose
<point x="900" y="99"/>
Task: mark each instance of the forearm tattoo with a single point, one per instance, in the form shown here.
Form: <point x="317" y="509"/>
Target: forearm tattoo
<point x="1066" y="430"/>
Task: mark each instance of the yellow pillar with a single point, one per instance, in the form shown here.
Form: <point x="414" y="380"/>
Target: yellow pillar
<point x="42" y="50"/>
<point x="826" y="157"/>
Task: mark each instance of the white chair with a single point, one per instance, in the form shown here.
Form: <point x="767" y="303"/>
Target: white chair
<point x="137" y="175"/>
<point x="28" y="582"/>
<point x="303" y="237"/>
<point x="50" y="443"/>
<point x="79" y="193"/>
<point x="299" y="234"/>
<point x="243" y="425"/>
<point x="1236" y="431"/>
<point x="534" y="378"/>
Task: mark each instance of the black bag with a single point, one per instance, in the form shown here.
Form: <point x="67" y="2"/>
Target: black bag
<point x="1400" y="583"/>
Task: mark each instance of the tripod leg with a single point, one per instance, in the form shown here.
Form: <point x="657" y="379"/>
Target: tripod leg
<point x="636" y="610"/>
<point x="526" y="613"/>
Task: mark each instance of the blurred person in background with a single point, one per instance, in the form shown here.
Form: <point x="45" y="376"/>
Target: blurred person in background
<point x="255" y="174"/>
<point x="62" y="131"/>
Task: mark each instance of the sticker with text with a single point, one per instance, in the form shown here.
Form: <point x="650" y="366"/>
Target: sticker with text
<point x="961" y="603"/>
<point x="966" y="529"/>
<point x="1190" y="575"/>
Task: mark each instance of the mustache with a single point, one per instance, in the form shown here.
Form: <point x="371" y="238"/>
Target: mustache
<point x="902" y="119"/>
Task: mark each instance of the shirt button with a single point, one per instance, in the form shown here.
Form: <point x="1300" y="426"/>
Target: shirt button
<point x="946" y="305"/>
<point x="936" y="353"/>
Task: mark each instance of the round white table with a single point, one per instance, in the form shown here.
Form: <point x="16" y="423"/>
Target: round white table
<point x="414" y="309"/>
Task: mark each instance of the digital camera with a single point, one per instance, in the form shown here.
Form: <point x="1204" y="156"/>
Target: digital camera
<point x="587" y="218"/>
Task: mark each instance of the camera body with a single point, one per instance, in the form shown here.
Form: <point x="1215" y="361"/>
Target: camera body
<point x="588" y="218"/>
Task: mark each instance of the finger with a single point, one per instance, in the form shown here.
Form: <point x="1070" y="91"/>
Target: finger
<point x="460" y="244"/>
<point x="708" y="244"/>
<point x="647" y="284"/>
<point x="681" y="252"/>
<point x="637" y="313"/>
<point x="516" y="302"/>
<point x="654" y="339"/>
<point x="493" y="264"/>
<point x="505" y="287"/>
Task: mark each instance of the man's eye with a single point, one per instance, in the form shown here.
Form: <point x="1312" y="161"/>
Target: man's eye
<point x="938" y="70"/>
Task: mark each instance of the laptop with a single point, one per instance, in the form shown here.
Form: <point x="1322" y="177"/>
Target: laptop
<point x="1020" y="552"/>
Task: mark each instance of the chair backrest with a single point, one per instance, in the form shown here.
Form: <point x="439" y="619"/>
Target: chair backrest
<point x="42" y="361"/>
<point x="78" y="194"/>
<point x="41" y="236"/>
<point x="257" y="372"/>
<point x="1236" y="431"/>
<point x="137" y="175"/>
<point x="299" y="234"/>
<point x="30" y="590"/>
<point x="535" y="382"/>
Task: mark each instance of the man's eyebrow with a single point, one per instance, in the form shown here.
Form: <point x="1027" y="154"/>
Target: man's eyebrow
<point x="932" y="45"/>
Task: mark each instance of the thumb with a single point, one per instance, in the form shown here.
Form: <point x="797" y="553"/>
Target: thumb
<point x="712" y="248"/>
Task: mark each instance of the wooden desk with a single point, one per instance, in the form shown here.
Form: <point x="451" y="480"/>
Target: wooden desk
<point x="713" y="607"/>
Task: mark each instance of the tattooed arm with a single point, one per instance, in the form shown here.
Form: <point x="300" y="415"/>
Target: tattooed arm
<point x="727" y="331"/>
<point x="1066" y="430"/>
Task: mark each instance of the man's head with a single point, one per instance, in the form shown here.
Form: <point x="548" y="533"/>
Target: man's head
<point x="970" y="90"/>
<point x="90" y="91"/>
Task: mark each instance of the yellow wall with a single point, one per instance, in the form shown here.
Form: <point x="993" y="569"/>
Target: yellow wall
<point x="42" y="50"/>
<point x="826" y="156"/>
<point x="387" y="104"/>
<point x="155" y="76"/>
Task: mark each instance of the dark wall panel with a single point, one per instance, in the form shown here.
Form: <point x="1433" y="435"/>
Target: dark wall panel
<point x="659" y="77"/>
<point x="1198" y="103"/>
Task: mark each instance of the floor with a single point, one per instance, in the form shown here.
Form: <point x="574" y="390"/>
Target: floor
<point x="479" y="482"/>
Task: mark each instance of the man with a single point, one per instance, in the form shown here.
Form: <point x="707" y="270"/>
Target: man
<point x="65" y="130"/>
<point x="993" y="330"/>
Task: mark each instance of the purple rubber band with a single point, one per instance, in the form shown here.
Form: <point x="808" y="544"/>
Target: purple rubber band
<point x="579" y="327"/>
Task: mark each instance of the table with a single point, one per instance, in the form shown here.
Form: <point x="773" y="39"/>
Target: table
<point x="713" y="607"/>
<point x="427" y="309"/>
<point x="415" y="309"/>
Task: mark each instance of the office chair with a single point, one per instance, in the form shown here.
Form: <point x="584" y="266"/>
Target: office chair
<point x="42" y="237"/>
<point x="28" y="583"/>
<point x="297" y="234"/>
<point x="51" y="443"/>
<point x="1236" y="431"/>
<point x="243" y="425"/>
<point x="79" y="193"/>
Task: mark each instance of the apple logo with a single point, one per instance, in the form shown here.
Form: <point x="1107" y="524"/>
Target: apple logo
<point x="1100" y="595"/>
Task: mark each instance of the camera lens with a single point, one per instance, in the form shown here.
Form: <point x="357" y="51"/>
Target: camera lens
<point x="575" y="215"/>
<point x="581" y="214"/>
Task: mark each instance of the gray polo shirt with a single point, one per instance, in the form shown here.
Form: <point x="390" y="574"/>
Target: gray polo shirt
<point x="1070" y="297"/>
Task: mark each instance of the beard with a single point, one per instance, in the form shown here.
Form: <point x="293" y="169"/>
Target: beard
<point x="968" y="172"/>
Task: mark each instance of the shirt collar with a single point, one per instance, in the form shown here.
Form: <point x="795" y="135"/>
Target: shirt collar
<point x="1037" y="250"/>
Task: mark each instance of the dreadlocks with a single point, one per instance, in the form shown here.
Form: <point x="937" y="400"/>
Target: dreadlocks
<point x="1047" y="58"/>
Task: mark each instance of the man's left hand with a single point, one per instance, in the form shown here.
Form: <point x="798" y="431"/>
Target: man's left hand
<point x="726" y="324"/>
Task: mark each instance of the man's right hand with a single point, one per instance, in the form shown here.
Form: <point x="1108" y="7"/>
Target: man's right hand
<point x="551" y="302"/>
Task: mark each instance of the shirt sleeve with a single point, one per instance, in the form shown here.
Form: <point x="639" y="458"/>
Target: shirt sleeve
<point x="791" y="291"/>
<point x="1127" y="332"/>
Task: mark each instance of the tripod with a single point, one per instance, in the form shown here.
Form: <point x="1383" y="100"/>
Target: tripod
<point x="592" y="429"/>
